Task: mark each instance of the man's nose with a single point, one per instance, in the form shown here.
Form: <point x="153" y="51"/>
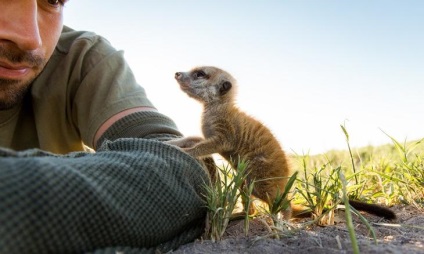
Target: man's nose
<point x="19" y="24"/>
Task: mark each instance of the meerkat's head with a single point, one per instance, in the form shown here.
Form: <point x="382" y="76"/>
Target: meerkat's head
<point x="207" y="84"/>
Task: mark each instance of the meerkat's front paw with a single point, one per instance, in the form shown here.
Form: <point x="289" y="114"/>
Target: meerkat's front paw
<point x="185" y="143"/>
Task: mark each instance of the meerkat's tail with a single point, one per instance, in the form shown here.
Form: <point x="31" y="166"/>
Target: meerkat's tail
<point x="373" y="209"/>
<point x="299" y="211"/>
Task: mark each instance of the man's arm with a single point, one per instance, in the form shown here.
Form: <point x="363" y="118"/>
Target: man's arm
<point x="141" y="123"/>
<point x="117" y="117"/>
<point x="132" y="196"/>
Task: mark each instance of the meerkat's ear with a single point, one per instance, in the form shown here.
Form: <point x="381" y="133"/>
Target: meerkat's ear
<point x="224" y="87"/>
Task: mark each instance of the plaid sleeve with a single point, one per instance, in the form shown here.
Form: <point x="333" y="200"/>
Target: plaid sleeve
<point x="132" y="195"/>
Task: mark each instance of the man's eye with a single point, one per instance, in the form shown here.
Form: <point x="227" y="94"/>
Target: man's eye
<point x="199" y="74"/>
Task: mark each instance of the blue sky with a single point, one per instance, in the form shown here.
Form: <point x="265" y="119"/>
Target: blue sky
<point x="303" y="67"/>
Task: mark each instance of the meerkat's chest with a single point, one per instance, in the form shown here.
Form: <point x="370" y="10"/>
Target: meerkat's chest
<point x="220" y="126"/>
<point x="208" y="130"/>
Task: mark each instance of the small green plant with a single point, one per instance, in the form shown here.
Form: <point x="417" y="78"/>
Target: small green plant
<point x="407" y="175"/>
<point x="222" y="198"/>
<point x="279" y="208"/>
<point x="231" y="186"/>
<point x="348" y="208"/>
<point x="246" y="197"/>
<point x="320" y="189"/>
<point x="281" y="203"/>
<point x="350" y="153"/>
<point x="348" y="213"/>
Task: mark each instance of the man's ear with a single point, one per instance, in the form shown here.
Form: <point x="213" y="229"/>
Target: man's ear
<point x="225" y="87"/>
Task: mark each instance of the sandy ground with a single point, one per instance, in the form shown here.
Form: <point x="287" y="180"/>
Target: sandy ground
<point x="404" y="235"/>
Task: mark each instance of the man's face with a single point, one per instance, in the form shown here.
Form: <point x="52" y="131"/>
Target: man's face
<point x="29" y="32"/>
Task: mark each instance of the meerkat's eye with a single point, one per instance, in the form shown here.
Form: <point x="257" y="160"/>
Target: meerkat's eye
<point x="199" y="74"/>
<point x="56" y="2"/>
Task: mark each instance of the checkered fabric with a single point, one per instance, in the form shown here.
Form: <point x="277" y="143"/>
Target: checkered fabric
<point x="131" y="196"/>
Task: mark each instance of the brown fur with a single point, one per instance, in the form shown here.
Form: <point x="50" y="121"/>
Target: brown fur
<point x="232" y="133"/>
<point x="236" y="135"/>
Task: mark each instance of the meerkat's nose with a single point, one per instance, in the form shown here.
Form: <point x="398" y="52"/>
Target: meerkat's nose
<point x="178" y="75"/>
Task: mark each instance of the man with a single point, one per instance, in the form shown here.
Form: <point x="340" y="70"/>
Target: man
<point x="61" y="91"/>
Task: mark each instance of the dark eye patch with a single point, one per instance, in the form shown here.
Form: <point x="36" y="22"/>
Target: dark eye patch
<point x="199" y="74"/>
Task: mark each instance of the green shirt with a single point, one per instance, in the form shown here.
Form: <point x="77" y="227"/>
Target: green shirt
<point x="85" y="82"/>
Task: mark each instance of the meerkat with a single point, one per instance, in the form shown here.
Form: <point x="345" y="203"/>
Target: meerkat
<point x="237" y="136"/>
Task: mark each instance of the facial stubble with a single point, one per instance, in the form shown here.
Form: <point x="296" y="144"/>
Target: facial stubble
<point x="13" y="91"/>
